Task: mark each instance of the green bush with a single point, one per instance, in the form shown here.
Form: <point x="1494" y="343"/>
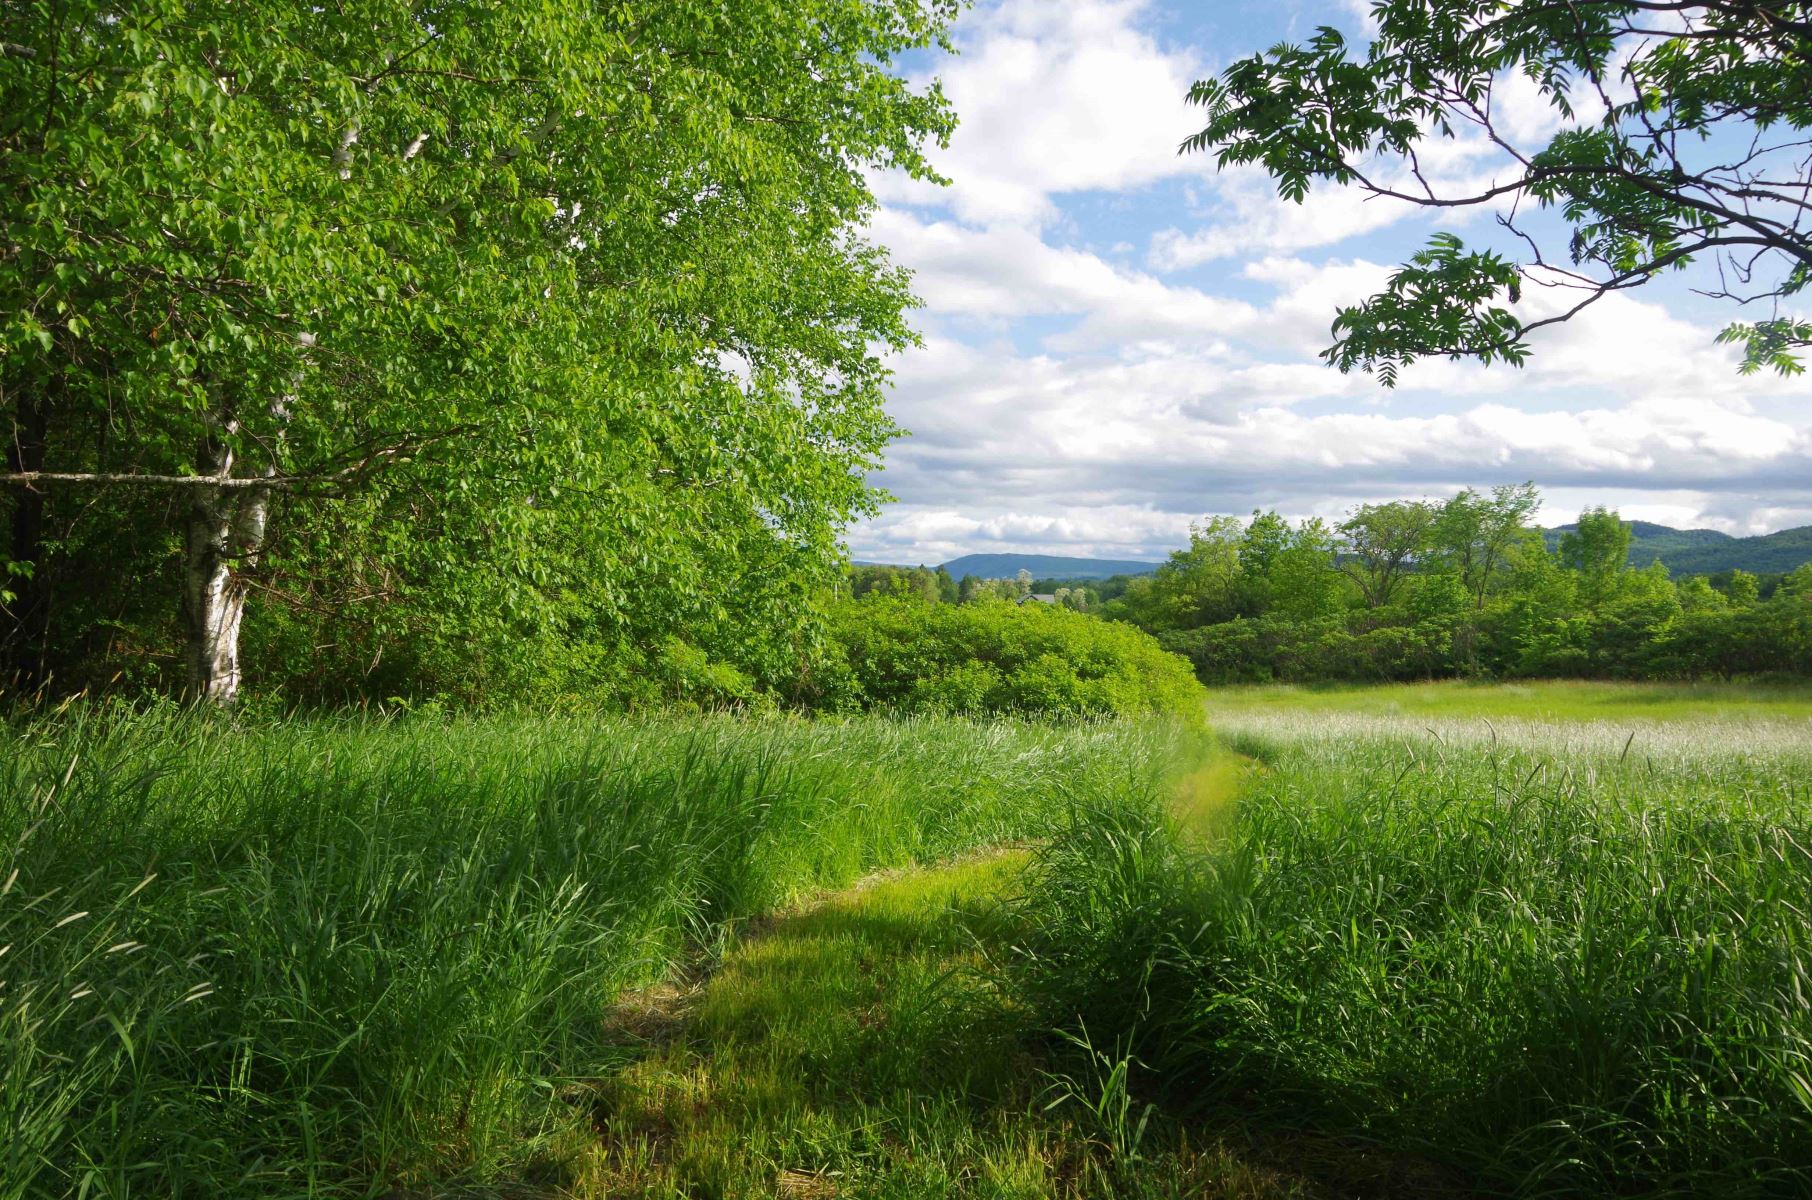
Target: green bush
<point x="993" y="657"/>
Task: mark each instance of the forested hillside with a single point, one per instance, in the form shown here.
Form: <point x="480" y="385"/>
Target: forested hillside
<point x="1045" y="566"/>
<point x="1707" y="552"/>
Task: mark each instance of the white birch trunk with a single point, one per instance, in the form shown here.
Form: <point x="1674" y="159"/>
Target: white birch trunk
<point x="224" y="537"/>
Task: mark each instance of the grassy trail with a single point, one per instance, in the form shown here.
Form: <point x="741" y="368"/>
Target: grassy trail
<point x="859" y="1045"/>
<point x="1204" y="799"/>
<point x="350" y="957"/>
<point x="846" y="1046"/>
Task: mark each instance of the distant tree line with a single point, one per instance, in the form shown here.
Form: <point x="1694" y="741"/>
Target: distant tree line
<point x="935" y="585"/>
<point x="1467" y="586"/>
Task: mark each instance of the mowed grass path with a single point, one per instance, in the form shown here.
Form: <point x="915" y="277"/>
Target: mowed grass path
<point x="862" y="1044"/>
<point x="851" y="1046"/>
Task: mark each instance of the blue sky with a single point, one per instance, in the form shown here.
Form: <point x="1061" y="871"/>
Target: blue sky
<point x="1120" y="341"/>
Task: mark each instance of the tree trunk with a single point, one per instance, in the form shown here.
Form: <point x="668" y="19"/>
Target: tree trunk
<point x="224" y="538"/>
<point x="27" y="619"/>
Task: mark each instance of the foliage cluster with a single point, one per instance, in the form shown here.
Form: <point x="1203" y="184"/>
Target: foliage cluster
<point x="996" y="657"/>
<point x="1661" y="134"/>
<point x="1419" y="590"/>
<point x="480" y="352"/>
<point x="938" y="586"/>
<point x="1553" y="971"/>
<point x="358" y="957"/>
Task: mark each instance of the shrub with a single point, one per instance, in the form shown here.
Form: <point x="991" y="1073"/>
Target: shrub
<point x="995" y="657"/>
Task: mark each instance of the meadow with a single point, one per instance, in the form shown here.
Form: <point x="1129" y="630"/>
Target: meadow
<point x="1337" y="950"/>
<point x="345" y="957"/>
<point x="1558" y="700"/>
<point x="1539" y="956"/>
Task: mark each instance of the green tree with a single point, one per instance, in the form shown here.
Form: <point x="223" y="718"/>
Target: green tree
<point x="1266" y="538"/>
<point x="1199" y="585"/>
<point x="947" y="592"/>
<point x="567" y="307"/>
<point x="1475" y="534"/>
<point x="1289" y="570"/>
<point x="1597" y="549"/>
<point x="918" y="583"/>
<point x="1697" y="595"/>
<point x="1743" y="589"/>
<point x="1678" y="139"/>
<point x="1381" y="543"/>
<point x="1797" y="584"/>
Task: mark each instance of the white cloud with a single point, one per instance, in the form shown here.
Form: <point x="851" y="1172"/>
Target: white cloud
<point x="1007" y="272"/>
<point x="1361" y="11"/>
<point x="1245" y="213"/>
<point x="1095" y="454"/>
<point x="1068" y="402"/>
<point x="1056" y="98"/>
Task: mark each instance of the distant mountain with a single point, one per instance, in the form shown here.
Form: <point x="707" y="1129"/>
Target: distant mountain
<point x="1684" y="551"/>
<point x="1706" y="551"/>
<point x="1044" y="566"/>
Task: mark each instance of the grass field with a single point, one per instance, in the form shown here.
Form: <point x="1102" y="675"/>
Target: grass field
<point x="1378" y="951"/>
<point x="1652" y="722"/>
<point x="347" y="957"/>
<point x="1559" y="700"/>
<point x="1551" y="956"/>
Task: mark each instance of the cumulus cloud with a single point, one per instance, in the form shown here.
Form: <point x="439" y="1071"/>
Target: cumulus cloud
<point x="1056" y="98"/>
<point x="1115" y="455"/>
<point x="1007" y="272"/>
<point x="1070" y="402"/>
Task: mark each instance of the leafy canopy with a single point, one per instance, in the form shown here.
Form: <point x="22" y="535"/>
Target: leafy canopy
<point x="1674" y="134"/>
<point x="567" y="305"/>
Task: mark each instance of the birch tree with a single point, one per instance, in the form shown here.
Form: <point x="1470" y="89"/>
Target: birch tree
<point x="557" y="268"/>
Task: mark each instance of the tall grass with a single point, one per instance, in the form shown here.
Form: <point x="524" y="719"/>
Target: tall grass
<point x="1559" y="970"/>
<point x="338" y="957"/>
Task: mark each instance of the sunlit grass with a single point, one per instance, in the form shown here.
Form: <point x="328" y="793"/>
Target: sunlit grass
<point x="1390" y="954"/>
<point x="336" y="957"/>
<point x="863" y="1046"/>
<point x="848" y="1047"/>
<point x="1536" y="700"/>
<point x="1552" y="957"/>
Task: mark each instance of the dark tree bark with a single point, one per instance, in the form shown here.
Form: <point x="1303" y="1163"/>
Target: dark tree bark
<point x="27" y="620"/>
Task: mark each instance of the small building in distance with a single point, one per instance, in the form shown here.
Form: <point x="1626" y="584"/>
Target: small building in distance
<point x="1040" y="597"/>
